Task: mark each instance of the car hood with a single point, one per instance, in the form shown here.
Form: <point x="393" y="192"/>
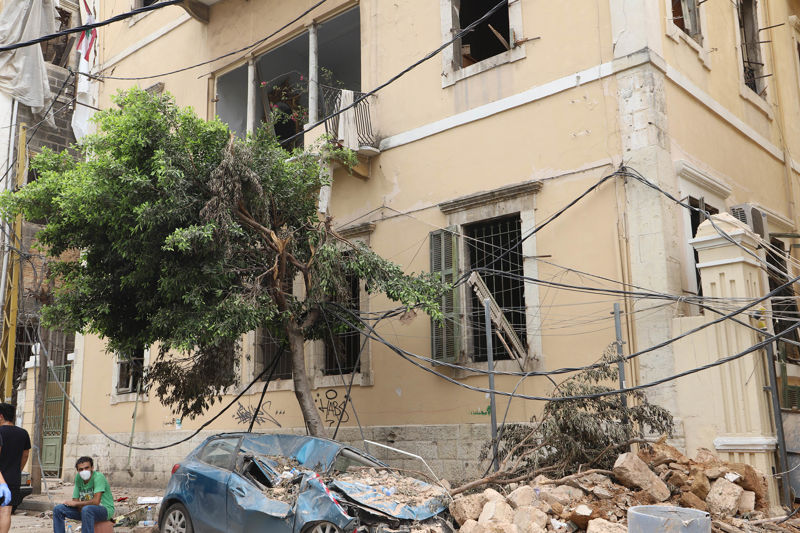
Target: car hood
<point x="390" y="493"/>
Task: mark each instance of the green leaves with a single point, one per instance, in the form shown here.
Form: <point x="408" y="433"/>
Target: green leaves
<point x="172" y="232"/>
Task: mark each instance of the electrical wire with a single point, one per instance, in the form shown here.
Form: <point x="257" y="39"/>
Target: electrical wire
<point x="84" y="27"/>
<point x="402" y="353"/>
<point x="402" y="73"/>
<point x="209" y="61"/>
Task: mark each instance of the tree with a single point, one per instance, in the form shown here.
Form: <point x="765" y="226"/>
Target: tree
<point x="189" y="238"/>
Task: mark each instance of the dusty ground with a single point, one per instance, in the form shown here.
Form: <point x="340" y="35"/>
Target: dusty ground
<point x="41" y="522"/>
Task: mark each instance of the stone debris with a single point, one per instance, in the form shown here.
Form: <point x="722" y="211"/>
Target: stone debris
<point x="734" y="494"/>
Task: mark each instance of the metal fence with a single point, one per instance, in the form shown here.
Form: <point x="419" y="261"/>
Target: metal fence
<point x="331" y="103"/>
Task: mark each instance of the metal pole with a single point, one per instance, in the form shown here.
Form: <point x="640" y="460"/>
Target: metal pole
<point x="490" y="359"/>
<point x="620" y="359"/>
<point x="313" y="74"/>
<point x="251" y="96"/>
<point x="776" y="410"/>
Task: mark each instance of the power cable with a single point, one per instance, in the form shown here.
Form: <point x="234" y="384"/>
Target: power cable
<point x="78" y="29"/>
<point x="234" y="52"/>
<point x="402" y="353"/>
<point x="147" y="448"/>
<point x="273" y="366"/>
<point x="402" y="73"/>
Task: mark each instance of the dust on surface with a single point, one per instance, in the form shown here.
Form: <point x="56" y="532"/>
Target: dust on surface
<point x="401" y="489"/>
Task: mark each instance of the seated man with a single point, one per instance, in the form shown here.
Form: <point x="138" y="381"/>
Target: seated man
<point x="91" y="501"/>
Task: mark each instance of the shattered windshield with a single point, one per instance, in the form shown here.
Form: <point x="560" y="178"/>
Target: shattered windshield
<point x="349" y="461"/>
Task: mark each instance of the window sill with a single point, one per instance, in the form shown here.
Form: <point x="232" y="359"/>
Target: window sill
<point x="450" y="77"/>
<point x="361" y="379"/>
<point x="678" y="35"/>
<point x="127" y="397"/>
<point x="505" y="365"/>
<point x="759" y="102"/>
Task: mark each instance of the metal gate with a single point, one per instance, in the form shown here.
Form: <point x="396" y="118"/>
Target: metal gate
<point x="54" y="420"/>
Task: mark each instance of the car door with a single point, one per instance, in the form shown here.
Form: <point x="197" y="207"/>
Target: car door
<point x="208" y="479"/>
<point x="251" y="509"/>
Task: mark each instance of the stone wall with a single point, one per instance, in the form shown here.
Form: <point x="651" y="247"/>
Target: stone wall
<point x="450" y="450"/>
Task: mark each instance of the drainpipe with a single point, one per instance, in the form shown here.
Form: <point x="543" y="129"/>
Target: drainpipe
<point x="251" y="96"/>
<point x="313" y="74"/>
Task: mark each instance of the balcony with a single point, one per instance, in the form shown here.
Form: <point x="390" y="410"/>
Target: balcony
<point x="353" y="127"/>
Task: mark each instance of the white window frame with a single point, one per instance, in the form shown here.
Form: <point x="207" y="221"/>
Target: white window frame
<point x="120" y="397"/>
<point x="699" y="184"/>
<point x="678" y="35"/>
<point x="495" y="204"/>
<point x="451" y="74"/>
<point x="364" y="377"/>
<point x="744" y="91"/>
<point x="248" y="367"/>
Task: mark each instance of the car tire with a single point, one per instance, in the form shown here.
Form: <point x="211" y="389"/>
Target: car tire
<point x="322" y="527"/>
<point x="176" y="520"/>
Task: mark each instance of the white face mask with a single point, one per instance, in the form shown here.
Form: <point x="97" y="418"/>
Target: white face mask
<point x="85" y="474"/>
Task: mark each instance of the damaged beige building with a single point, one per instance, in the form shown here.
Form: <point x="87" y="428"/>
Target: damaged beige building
<point x="462" y="157"/>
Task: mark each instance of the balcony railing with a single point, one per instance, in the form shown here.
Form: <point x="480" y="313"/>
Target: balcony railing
<point x="331" y="103"/>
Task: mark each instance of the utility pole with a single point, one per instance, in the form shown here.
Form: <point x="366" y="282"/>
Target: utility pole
<point x="490" y="359"/>
<point x="38" y="420"/>
<point x="776" y="411"/>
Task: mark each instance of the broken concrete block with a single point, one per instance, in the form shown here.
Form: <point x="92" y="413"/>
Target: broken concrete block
<point x="747" y="502"/>
<point x="522" y="497"/>
<point x="491" y="494"/>
<point x="471" y="526"/>
<point x="563" y="494"/>
<point x="581" y="515"/>
<point x="465" y="508"/>
<point x="699" y="484"/>
<point x="752" y="480"/>
<point x="723" y="499"/>
<point x="715" y="472"/>
<point x="602" y="493"/>
<point x="526" y="516"/>
<point x="633" y="472"/>
<point x="677" y="479"/>
<point x="500" y="527"/>
<point x="704" y="455"/>
<point x="690" y="499"/>
<point x="599" y="525"/>
<point x="496" y="511"/>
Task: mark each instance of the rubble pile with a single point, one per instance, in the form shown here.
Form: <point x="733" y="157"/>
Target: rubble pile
<point x="735" y="494"/>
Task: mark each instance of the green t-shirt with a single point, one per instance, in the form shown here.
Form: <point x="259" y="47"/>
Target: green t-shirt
<point x="97" y="483"/>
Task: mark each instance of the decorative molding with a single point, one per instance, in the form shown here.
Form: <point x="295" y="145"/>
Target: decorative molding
<point x="732" y="261"/>
<point x="489" y="197"/>
<point x="693" y="174"/>
<point x="715" y="241"/>
<point x="745" y="444"/>
<point x="357" y="231"/>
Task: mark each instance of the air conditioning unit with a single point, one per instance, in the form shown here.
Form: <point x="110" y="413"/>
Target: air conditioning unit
<point x="754" y="217"/>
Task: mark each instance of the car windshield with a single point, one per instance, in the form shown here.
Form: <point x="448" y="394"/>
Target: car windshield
<point x="349" y="461"/>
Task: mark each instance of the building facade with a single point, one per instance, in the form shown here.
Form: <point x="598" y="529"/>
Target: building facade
<point x="461" y="158"/>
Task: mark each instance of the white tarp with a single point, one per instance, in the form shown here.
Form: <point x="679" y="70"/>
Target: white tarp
<point x="23" y="73"/>
<point x="87" y="87"/>
<point x="347" y="134"/>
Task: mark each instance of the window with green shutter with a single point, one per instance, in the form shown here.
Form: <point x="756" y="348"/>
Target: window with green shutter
<point x="446" y="335"/>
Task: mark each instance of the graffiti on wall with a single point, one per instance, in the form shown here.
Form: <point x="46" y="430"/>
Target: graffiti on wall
<point x="245" y="413"/>
<point x="332" y="408"/>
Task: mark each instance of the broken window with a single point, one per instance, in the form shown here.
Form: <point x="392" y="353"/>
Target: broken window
<point x="57" y="51"/>
<point x="685" y="15"/>
<point x="752" y="64"/>
<point x="494" y="249"/>
<point x="489" y="38"/>
<point x="130" y="369"/>
<point x="343" y="346"/>
<point x="220" y="452"/>
<point x="696" y="218"/>
<point x="268" y="346"/>
<point x="280" y="92"/>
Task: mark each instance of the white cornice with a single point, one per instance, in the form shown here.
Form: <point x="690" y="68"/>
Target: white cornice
<point x="693" y="174"/>
<point x="745" y="444"/>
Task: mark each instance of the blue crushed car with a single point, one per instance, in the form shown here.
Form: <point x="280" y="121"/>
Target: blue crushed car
<point x="249" y="482"/>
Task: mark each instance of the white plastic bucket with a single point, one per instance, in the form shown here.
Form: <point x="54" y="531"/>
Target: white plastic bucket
<point x="667" y="519"/>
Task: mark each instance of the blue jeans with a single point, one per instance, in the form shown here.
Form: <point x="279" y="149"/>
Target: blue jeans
<point x="88" y="515"/>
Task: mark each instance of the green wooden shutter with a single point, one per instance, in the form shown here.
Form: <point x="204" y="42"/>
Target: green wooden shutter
<point x="446" y="335"/>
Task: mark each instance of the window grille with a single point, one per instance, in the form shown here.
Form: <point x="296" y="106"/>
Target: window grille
<point x="752" y="63"/>
<point x="342" y="347"/>
<point x="268" y="345"/>
<point x="496" y="245"/>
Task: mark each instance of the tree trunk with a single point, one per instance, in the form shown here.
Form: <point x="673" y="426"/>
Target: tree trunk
<point x="302" y="387"/>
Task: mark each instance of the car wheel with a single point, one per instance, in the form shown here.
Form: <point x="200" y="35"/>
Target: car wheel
<point x="323" y="527"/>
<point x="176" y="520"/>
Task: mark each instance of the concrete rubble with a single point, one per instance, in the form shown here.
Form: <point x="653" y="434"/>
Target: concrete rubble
<point x="734" y="494"/>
